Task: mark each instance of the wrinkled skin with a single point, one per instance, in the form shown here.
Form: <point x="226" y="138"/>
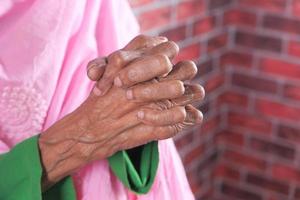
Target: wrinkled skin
<point x="139" y="97"/>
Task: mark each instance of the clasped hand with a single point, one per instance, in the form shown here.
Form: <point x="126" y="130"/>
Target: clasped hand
<point x="140" y="96"/>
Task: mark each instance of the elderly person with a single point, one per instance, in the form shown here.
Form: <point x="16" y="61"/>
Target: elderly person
<point x="59" y="140"/>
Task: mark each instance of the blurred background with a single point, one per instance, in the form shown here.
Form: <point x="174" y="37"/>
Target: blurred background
<point x="248" y="56"/>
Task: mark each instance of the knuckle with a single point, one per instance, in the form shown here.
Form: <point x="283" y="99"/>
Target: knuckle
<point x="173" y="47"/>
<point x="142" y="38"/>
<point x="164" y="62"/>
<point x="176" y="128"/>
<point x="178" y="87"/>
<point x="181" y="113"/>
<point x="162" y="105"/>
<point x="117" y="58"/>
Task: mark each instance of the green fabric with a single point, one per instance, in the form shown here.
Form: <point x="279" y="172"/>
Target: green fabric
<point x="21" y="172"/>
<point x="140" y="178"/>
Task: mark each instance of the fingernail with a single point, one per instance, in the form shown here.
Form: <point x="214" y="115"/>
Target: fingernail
<point x="162" y="38"/>
<point x="141" y="114"/>
<point x="96" y="91"/>
<point x="129" y="94"/>
<point x="117" y="81"/>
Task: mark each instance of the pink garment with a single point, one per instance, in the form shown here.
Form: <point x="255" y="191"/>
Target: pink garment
<point x="44" y="49"/>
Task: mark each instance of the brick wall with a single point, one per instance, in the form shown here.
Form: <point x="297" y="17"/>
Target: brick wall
<point x="248" y="55"/>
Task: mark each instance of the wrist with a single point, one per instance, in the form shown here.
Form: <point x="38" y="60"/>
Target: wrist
<point x="59" y="153"/>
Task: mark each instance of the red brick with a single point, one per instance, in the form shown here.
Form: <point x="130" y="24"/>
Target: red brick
<point x="236" y="59"/>
<point x="208" y="162"/>
<point x="296" y="7"/>
<point x="233" y="98"/>
<point x="236" y="192"/>
<point x="189" y="52"/>
<point x="250" y="122"/>
<point x="289" y="133"/>
<point x="297" y="193"/>
<point x="195" y="182"/>
<point x="204" y="25"/>
<point x="184" y="141"/>
<point x="188" y="9"/>
<point x="217" y="42"/>
<point x="285" y="172"/>
<point x="215" y="4"/>
<point x="195" y="186"/>
<point x="155" y="18"/>
<point x="257" y="41"/>
<point x="294" y="48"/>
<point x="285" y="152"/>
<point x="204" y="68"/>
<point x="224" y="171"/>
<point x="210" y="124"/>
<point x="280" y="68"/>
<point x="238" y="17"/>
<point x="230" y="137"/>
<point x="194" y="154"/>
<point x="278" y="110"/>
<point x="175" y="34"/>
<point x="254" y="83"/>
<point x="282" y="24"/>
<point x="275" y="196"/>
<point x="247" y="161"/>
<point x="267" y="183"/>
<point x="204" y="106"/>
<point x="270" y="5"/>
<point x="214" y="83"/>
<point x="208" y="194"/>
<point x="292" y="91"/>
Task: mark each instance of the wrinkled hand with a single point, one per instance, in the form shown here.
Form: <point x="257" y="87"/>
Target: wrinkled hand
<point x="104" y="70"/>
<point x="148" y="102"/>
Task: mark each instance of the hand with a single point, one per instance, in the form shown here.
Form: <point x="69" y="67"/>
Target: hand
<point x="104" y="70"/>
<point x="100" y="127"/>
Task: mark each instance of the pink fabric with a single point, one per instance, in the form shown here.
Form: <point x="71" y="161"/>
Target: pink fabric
<point x="44" y="49"/>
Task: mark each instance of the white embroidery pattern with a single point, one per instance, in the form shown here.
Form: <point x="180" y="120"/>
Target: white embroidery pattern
<point x="22" y="111"/>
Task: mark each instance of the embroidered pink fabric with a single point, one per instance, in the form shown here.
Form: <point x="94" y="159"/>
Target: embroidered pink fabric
<point x="45" y="46"/>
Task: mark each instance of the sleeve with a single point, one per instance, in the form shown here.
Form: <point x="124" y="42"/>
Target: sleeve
<point x="21" y="172"/>
<point x="137" y="167"/>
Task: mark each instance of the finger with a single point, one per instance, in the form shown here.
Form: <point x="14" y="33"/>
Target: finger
<point x="193" y="116"/>
<point x="116" y="61"/>
<point x="156" y="91"/>
<point x="169" y="48"/>
<point x="193" y="93"/>
<point x="143" y="41"/>
<point x="143" y="69"/>
<point x="95" y="68"/>
<point x="170" y="116"/>
<point x="184" y="70"/>
<point x="143" y="133"/>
